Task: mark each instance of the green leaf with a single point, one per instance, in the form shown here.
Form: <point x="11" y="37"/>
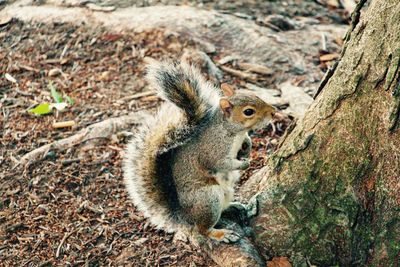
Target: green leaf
<point x="69" y="100"/>
<point x="41" y="109"/>
<point x="56" y="95"/>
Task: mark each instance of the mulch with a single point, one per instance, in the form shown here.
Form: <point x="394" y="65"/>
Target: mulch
<point x="71" y="208"/>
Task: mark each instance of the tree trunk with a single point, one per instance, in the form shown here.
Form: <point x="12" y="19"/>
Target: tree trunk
<point x="331" y="193"/>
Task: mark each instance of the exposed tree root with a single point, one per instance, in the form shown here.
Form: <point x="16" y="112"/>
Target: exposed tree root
<point x="93" y="134"/>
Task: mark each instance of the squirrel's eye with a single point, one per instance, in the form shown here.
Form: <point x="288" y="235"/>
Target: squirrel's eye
<point x="248" y="112"/>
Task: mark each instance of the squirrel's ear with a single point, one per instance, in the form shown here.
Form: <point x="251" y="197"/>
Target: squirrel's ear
<point x="227" y="89"/>
<point x="226" y="106"/>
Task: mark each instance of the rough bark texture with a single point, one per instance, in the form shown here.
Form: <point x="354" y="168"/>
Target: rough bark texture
<point x="331" y="194"/>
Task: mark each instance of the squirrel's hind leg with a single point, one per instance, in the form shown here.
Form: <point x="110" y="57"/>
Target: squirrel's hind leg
<point x="206" y="212"/>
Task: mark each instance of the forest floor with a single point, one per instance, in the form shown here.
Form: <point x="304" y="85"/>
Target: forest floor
<point x="70" y="207"/>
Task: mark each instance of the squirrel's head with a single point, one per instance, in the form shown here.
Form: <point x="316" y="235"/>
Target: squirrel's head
<point x="246" y="111"/>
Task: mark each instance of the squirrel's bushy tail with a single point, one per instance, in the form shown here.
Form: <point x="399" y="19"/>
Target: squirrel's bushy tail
<point x="183" y="85"/>
<point x="145" y="182"/>
<point x="149" y="155"/>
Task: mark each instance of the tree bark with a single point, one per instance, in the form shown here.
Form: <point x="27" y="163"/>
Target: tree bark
<point x="331" y="193"/>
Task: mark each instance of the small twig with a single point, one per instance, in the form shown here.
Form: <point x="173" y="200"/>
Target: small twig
<point x="66" y="235"/>
<point x="323" y="42"/>
<point x="138" y="95"/>
<point x="22" y="92"/>
<point x="64" y="51"/>
<point x="240" y="74"/>
<point x="63" y="124"/>
<point x="28" y="68"/>
<point x="70" y="161"/>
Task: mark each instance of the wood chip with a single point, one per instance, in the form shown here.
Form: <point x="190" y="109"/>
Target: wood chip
<point x="54" y="72"/>
<point x="4" y="20"/>
<point x="95" y="7"/>
<point x="10" y="78"/>
<point x="333" y="3"/>
<point x="227" y="59"/>
<point x="241" y="74"/>
<point x="349" y="5"/>
<point x="63" y="124"/>
<point x="260" y="69"/>
<point x="150" y="98"/>
<point x="52" y="61"/>
<point x="329" y="57"/>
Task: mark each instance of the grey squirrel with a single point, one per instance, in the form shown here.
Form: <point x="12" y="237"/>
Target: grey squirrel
<point x="181" y="167"/>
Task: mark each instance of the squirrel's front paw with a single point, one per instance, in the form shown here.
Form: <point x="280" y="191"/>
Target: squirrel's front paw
<point x="223" y="235"/>
<point x="245" y="164"/>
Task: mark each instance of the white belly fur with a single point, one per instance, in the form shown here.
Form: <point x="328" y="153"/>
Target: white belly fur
<point x="227" y="180"/>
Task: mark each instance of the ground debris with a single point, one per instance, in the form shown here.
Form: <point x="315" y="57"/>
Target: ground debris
<point x="71" y="206"/>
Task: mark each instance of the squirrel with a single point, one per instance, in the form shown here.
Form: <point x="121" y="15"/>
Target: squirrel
<point x="181" y="167"/>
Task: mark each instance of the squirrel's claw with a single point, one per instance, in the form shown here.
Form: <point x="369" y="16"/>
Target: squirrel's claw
<point x="231" y="237"/>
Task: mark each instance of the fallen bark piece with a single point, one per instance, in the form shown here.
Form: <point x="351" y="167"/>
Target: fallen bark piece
<point x="4" y="20"/>
<point x="94" y="133"/>
<point x="95" y="7"/>
<point x="329" y="57"/>
<point x="333" y="3"/>
<point x="63" y="124"/>
<point x="241" y="74"/>
<point x="298" y="100"/>
<point x="349" y="5"/>
<point x="228" y="59"/>
<point x="54" y="72"/>
<point x="256" y="68"/>
<point x="202" y="60"/>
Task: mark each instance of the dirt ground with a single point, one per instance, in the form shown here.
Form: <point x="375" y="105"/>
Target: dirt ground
<point x="71" y="208"/>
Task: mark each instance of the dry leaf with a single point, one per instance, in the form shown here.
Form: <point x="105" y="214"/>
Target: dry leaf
<point x="329" y="57"/>
<point x="279" y="262"/>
